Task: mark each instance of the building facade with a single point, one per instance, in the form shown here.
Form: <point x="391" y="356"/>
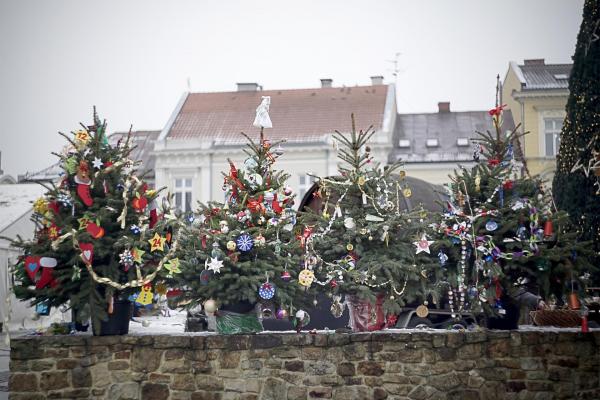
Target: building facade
<point x="204" y="131"/>
<point x="537" y="94"/>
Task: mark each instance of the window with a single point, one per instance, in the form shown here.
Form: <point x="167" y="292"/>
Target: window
<point x="552" y="128"/>
<point x="183" y="194"/>
<point x="306" y="181"/>
<point x="404" y="143"/>
<point x="462" y="141"/>
<point x="432" y="143"/>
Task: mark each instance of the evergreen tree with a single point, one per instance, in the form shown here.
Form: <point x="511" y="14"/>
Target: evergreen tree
<point x="501" y="231"/>
<point x="243" y="250"/>
<point x="576" y="184"/>
<point x="98" y="237"/>
<point x="360" y="242"/>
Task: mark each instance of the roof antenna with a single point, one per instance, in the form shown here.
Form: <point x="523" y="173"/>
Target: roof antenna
<point x="189" y="84"/>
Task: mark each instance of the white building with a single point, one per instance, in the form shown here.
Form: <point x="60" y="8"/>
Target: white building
<point x="204" y="131"/>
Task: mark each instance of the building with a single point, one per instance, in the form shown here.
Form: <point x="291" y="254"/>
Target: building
<point x="537" y="94"/>
<point x="143" y="142"/>
<point x="433" y="145"/>
<point x="204" y="131"/>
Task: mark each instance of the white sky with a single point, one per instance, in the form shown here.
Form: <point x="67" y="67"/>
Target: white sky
<point x="132" y="59"/>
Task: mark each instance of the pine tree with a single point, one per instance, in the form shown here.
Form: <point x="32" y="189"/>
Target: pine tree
<point x="244" y="250"/>
<point x="576" y="185"/>
<point x="360" y="242"/>
<point x="98" y="237"/>
<point x="501" y="232"/>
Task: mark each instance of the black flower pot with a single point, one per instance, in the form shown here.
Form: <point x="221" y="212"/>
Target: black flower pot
<point x="118" y="321"/>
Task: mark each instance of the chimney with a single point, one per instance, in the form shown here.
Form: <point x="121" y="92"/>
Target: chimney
<point x="536" y="61"/>
<point x="377" y="80"/>
<point x="248" y="87"/>
<point x="444" y="107"/>
<point x="326" y="83"/>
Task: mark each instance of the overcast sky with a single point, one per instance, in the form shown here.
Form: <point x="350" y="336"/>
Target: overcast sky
<point x="133" y="59"/>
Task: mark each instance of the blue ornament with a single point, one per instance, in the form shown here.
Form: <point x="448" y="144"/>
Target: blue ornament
<point x="204" y="277"/>
<point x="135" y="229"/>
<point x="491" y="226"/>
<point x="472" y="292"/>
<point x="443" y="258"/>
<point x="190" y="218"/>
<point x="266" y="291"/>
<point x="244" y="242"/>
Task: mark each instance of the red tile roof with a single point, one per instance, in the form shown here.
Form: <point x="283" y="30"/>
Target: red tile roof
<point x="299" y="115"/>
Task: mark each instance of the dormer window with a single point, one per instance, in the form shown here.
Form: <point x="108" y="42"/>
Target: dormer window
<point x="462" y="142"/>
<point x="432" y="143"/>
<point x="404" y="143"/>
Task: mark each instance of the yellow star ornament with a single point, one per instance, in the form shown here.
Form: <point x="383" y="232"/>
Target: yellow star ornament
<point x="173" y="266"/>
<point x="137" y="255"/>
<point x="157" y="242"/>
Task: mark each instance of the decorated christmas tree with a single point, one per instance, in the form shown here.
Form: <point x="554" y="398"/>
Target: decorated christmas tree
<point x="243" y="251"/>
<point x="360" y="242"/>
<point x="99" y="237"/>
<point x="501" y="233"/>
<point x="576" y="184"/>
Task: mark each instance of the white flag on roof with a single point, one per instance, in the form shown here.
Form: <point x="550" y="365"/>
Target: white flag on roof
<point x="262" y="119"/>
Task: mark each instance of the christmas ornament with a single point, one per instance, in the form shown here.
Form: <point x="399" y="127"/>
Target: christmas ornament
<point x="224" y="227"/>
<point x="260" y="241"/>
<point x="300" y="320"/>
<point x="135" y="229"/>
<point x="157" y="242"/>
<point x="97" y="163"/>
<point x="139" y="203"/>
<point x="423" y="244"/>
<point x="349" y="223"/>
<point x="95" y="230"/>
<point x="210" y="306"/>
<point x="231" y="246"/>
<point x="407" y="192"/>
<point x="87" y="252"/>
<point x="126" y="259"/>
<point x="137" y="255"/>
<point x="548" y="228"/>
<point x="443" y="258"/>
<point x="262" y="119"/>
<point x="422" y="311"/>
<point x="145" y="296"/>
<point x="349" y="247"/>
<point x="337" y="307"/>
<point x="285" y="276"/>
<point x="81" y="138"/>
<point x="491" y="226"/>
<point x="173" y="266"/>
<point x="40" y="206"/>
<point x="215" y="265"/>
<point x="250" y="164"/>
<point x="266" y="291"/>
<point x="255" y="180"/>
<point x="244" y="242"/>
<point x="204" y="277"/>
<point x="161" y="289"/>
<point x="281" y="314"/>
<point x="306" y="277"/>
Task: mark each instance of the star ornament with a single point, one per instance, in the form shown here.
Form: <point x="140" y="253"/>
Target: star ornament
<point x="157" y="242"/>
<point x="97" y="163"/>
<point x="215" y="265"/>
<point x="423" y="244"/>
<point x="173" y="266"/>
<point x="137" y="255"/>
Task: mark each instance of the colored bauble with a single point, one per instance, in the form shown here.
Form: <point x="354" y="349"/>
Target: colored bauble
<point x="231" y="246"/>
<point x="491" y="226"/>
<point x="205" y="277"/>
<point x="286" y="276"/>
<point x="244" y="242"/>
<point x="126" y="259"/>
<point x="135" y="229"/>
<point x="139" y="203"/>
<point x="349" y="223"/>
<point x="266" y="291"/>
<point x="281" y="314"/>
<point x="306" y="277"/>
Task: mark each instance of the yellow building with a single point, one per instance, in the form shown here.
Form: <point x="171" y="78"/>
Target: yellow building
<point x="537" y="94"/>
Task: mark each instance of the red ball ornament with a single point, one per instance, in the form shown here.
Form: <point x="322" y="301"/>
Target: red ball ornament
<point x="333" y="283"/>
<point x="508" y="185"/>
<point x="285" y="276"/>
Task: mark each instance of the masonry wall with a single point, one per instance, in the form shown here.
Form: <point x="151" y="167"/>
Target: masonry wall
<point x="447" y="365"/>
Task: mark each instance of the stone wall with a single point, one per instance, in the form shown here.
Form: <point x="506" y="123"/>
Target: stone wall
<point x="419" y="365"/>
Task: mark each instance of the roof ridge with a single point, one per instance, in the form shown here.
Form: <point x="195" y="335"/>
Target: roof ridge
<point x="334" y="88"/>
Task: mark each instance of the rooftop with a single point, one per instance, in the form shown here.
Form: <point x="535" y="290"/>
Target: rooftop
<point x="16" y="200"/>
<point x="537" y="75"/>
<point x="144" y="145"/>
<point x="298" y="115"/>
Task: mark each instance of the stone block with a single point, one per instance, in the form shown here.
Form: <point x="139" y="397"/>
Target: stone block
<point x="354" y="352"/>
<point x="286" y="352"/>
<point x="319" y="368"/>
<point x="170" y="342"/>
<point x="444" y="382"/>
<point x="265" y="341"/>
<point x="23" y="382"/>
<point x="209" y="382"/>
<point x="320" y="393"/>
<point x="21" y="349"/>
<point x="145" y="359"/>
<point x="124" y="391"/>
<point x="183" y="382"/>
<point x="296" y="393"/>
<point x="122" y="355"/>
<point x="295" y="366"/>
<point x="174" y="354"/>
<point x="118" y="365"/>
<point x="54" y="380"/>
<point x="370" y="368"/>
<point x="273" y="389"/>
<point x="313" y="353"/>
<point x="352" y="392"/>
<point x="155" y="391"/>
<point x="179" y="395"/>
<point x="372" y="381"/>
<point x="338" y="339"/>
<point x="346" y="369"/>
<point x="71" y="394"/>
<point x="229" y="360"/>
<point x="379" y="394"/>
<point x="100" y="375"/>
<point x="203" y="395"/>
<point x="181" y="366"/>
<point x="81" y="377"/>
<point x="43" y="365"/>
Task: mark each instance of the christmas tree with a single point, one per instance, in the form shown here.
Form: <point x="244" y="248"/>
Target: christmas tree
<point x="243" y="251"/>
<point x="500" y="232"/>
<point x="99" y="237"/>
<point x="576" y="184"/>
<point x="360" y="242"/>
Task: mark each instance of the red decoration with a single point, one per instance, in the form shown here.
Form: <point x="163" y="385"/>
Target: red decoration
<point x="53" y="231"/>
<point x="139" y="203"/>
<point x="276" y="207"/>
<point x="492" y="162"/>
<point x="174" y="293"/>
<point x="87" y="252"/>
<point x="83" y="191"/>
<point x="508" y="185"/>
<point x="32" y="266"/>
<point x="53" y="205"/>
<point x="333" y="283"/>
<point x="496" y="111"/>
<point x="391" y="320"/>
<point x="153" y="218"/>
<point x="95" y="230"/>
<point x="548" y="228"/>
<point x="46" y="279"/>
